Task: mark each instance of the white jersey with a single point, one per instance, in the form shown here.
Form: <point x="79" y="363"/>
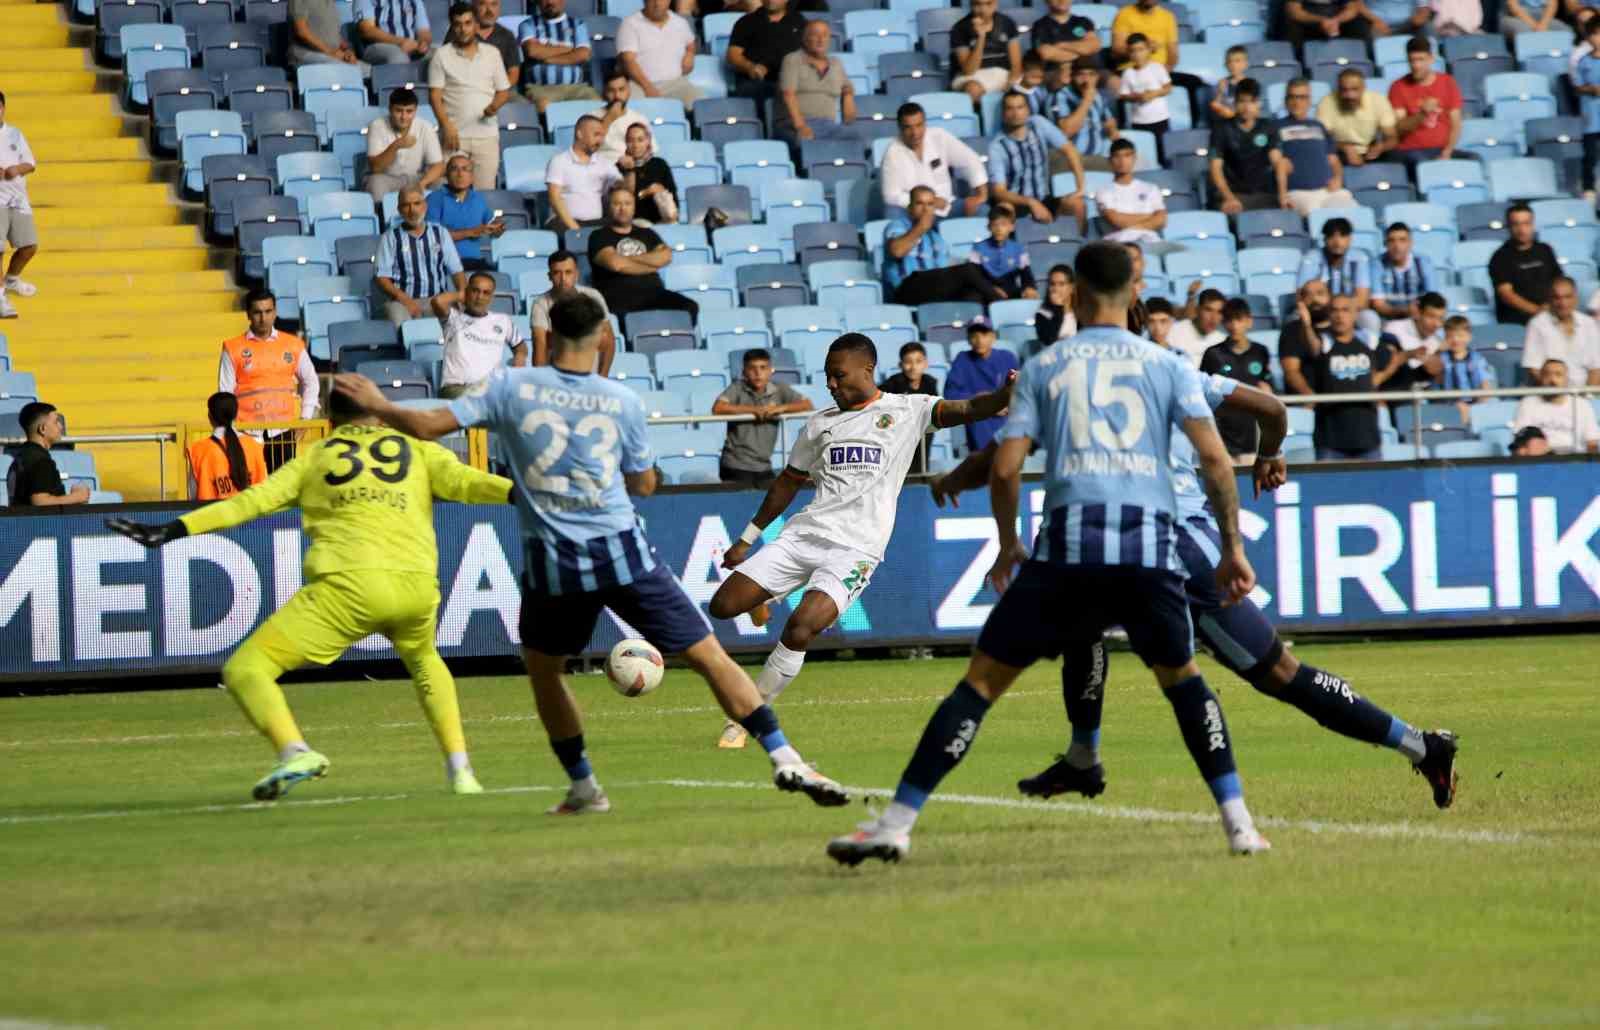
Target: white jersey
<point x="858" y="461"/>
<point x="474" y="347"/>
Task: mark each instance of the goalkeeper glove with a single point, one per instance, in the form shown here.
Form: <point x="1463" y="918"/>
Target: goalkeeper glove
<point x="146" y="534"/>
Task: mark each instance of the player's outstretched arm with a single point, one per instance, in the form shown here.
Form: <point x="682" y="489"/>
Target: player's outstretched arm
<point x="779" y="496"/>
<point x="278" y="491"/>
<point x="424" y="424"/>
<point x="974" y="409"/>
<point x="972" y="473"/>
<point x="1272" y="418"/>
<point x="452" y="479"/>
<point x="1005" y="492"/>
<point x="1235" y="577"/>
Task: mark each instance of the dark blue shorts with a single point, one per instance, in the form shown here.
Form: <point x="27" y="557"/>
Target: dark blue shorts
<point x="1051" y="607"/>
<point x="1239" y="635"/>
<point x="654" y="604"/>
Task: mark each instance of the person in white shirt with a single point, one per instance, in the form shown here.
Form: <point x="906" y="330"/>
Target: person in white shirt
<point x="577" y="178"/>
<point x="1561" y="332"/>
<point x="467" y="86"/>
<point x="1135" y="209"/>
<point x="1567" y="422"/>
<point x="1421" y="337"/>
<point x="924" y="156"/>
<point x="617" y="117"/>
<point x="476" y="339"/>
<point x="857" y="453"/>
<point x="1203" y="328"/>
<point x="402" y="150"/>
<point x="1145" y="85"/>
<point x="656" y="48"/>
<point x="16" y="214"/>
<point x="564" y="283"/>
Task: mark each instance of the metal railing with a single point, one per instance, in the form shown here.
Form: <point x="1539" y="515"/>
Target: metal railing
<point x="160" y="439"/>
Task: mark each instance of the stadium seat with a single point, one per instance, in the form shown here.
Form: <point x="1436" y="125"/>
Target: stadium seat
<point x="751" y="164"/>
<point x="727" y="120"/>
<point x="1199" y="230"/>
<point x="693" y="163"/>
<point x="1524" y="88"/>
<point x="909" y="73"/>
<point x="1273" y="228"/>
<point x="794" y="326"/>
<point x="523" y="168"/>
<point x="681" y="371"/>
<point x="733" y="200"/>
<point x="1452" y="183"/>
<point x="661" y="403"/>
<point x="201" y="134"/>
<point x="526" y="250"/>
<point x="417" y="332"/>
<point x="688" y="243"/>
<point x="172" y="90"/>
<point x="889" y="325"/>
<point x="1211" y="268"/>
<point x="830" y="161"/>
<point x="112" y="16"/>
<point x="768" y="286"/>
<point x="334" y="216"/>
<point x="325" y="300"/>
<point x="507" y="206"/>
<point x="257" y="217"/>
<point x="738" y="245"/>
<point x="18" y="386"/>
<point x="302" y="175"/>
<point x="633" y="370"/>
<point x="288" y="259"/>
<point x="1489" y="139"/>
<point x="710" y="286"/>
<point x="651" y="332"/>
<point x="947" y="321"/>
<point x="840" y="284"/>
<point x="1523" y="178"/>
<point x="367" y="333"/>
<point x="950" y="111"/>
<point x="1471" y="299"/>
<point x="225" y="48"/>
<point x="879" y="32"/>
<point x="229" y="177"/>
<point x="519" y="125"/>
<point x="827" y="241"/>
<point x="76" y="468"/>
<point x="347" y="135"/>
<point x="736" y="329"/>
<point x="275" y="133"/>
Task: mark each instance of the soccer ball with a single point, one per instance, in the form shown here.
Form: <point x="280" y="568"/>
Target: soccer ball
<point x="634" y="667"/>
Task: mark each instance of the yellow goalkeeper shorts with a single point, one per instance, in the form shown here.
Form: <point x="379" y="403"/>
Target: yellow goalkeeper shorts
<point x="329" y="614"/>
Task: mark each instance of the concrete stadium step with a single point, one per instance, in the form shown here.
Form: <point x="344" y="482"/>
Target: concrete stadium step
<point x="45" y="59"/>
<point x="137" y="237"/>
<point x="61" y="82"/>
<point x="55" y="284"/>
<point x="195" y="362"/>
<point x="179" y="259"/>
<point x="40" y="123"/>
<point x="34" y="16"/>
<point x="32" y="106"/>
<point x="91" y="173"/>
<point x="42" y="35"/>
<point x="108" y="218"/>
<point x="107" y="148"/>
<point x="84" y="334"/>
<point x="156" y="194"/>
<point x="143" y="305"/>
<point x="160" y="401"/>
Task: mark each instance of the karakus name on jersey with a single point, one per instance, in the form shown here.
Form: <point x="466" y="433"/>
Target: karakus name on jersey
<point x="855" y="454"/>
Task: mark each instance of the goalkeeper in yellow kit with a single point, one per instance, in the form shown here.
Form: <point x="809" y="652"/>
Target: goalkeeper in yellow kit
<point x="366" y="498"/>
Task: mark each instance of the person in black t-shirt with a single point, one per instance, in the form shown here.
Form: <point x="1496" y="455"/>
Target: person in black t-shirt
<point x="1241" y="358"/>
<point x="758" y="45"/>
<point x="913" y="378"/>
<point x="1341" y="361"/>
<point x="1063" y="36"/>
<point x="985" y="51"/>
<point x="1292" y="353"/>
<point x="655" y="191"/>
<point x="1245" y="156"/>
<point x="1522" y="270"/>
<point x="625" y="261"/>
<point x="33" y="479"/>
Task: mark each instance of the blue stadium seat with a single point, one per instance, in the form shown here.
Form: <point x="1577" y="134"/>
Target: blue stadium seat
<point x="842" y="284"/>
<point x="302" y="175"/>
<point x="1212" y="268"/>
<point x="1452" y="183"/>
<point x="669" y="123"/>
<point x="276" y="133"/>
<point x="254" y="91"/>
<point x="718" y="30"/>
<point x="366" y="333"/>
<point x="736" y="329"/>
<point x="1004" y="314"/>
<point x="347" y="135"/>
<point x="727" y="120"/>
<point x="508" y="207"/>
<point x="18" y="386"/>
<point x="827" y="241"/>
<point x="225" y="48"/>
<point x="1523" y="178"/>
<point x="1272" y="228"/>
<point x="633" y="370"/>
<point x="880" y="32"/>
<point x="738" y="245"/>
<point x="907" y="74"/>
<point x="1199" y="229"/>
<point x="733" y="200"/>
<point x="788" y="202"/>
<point x="334" y="216"/>
<point x="172" y="90"/>
<point x="660" y="403"/>
<point x="256" y="217"/>
<point x="1471" y="299"/>
<point x="76" y="467"/>
<point x="111" y="16"/>
<point x="795" y="326"/>
<point x="326" y="87"/>
<point x="288" y="259"/>
<point x="1522" y="87"/>
<point x="693" y="163"/>
<point x="523" y="168"/>
<point x="652" y="332"/>
<point x="201" y="134"/>
<point x="753" y="163"/>
<point x="386" y="78"/>
<point x="688" y="243"/>
<point x="950" y="111"/>
<point x="325" y="300"/>
<point x="526" y="250"/>
<point x="710" y="286"/>
<point x="1489" y="139"/>
<point x="772" y="285"/>
<point x="519" y="125"/>
<point x="962" y="233"/>
<point x="681" y="371"/>
<point x="889" y="325"/>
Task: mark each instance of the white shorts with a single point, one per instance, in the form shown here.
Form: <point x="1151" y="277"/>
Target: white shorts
<point x="993" y="80"/>
<point x="17" y="228"/>
<point x="791" y="562"/>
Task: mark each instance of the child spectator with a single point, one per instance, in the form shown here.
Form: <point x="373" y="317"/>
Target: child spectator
<point x="1587" y="84"/>
<point x="1462" y="369"/>
<point x="981" y="369"/>
<point x="747" y="452"/>
<point x="1145" y="85"/>
<point x="1003" y="258"/>
<point x="1033" y="85"/>
<point x="1238" y="62"/>
<point x="913" y="378"/>
<point x="1240" y="358"/>
<point x="1158" y="321"/>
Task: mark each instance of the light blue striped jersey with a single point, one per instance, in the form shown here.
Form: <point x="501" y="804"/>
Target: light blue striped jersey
<point x="570" y="439"/>
<point x="1186" y="463"/>
<point x="1104" y="405"/>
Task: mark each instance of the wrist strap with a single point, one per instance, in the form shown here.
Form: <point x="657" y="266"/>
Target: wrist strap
<point x="751" y="534"/>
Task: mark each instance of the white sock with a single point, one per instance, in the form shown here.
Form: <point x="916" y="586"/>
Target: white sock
<point x="783" y="665"/>
<point x="1235" y="816"/>
<point x="1413" y="746"/>
<point x="588" y="787"/>
<point x="785" y="755"/>
<point x="456" y="761"/>
<point x="1082" y="756"/>
<point x="898" y="816"/>
<point x="298" y="747"/>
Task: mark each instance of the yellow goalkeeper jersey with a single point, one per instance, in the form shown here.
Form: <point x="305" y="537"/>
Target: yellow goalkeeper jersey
<point x="366" y="497"/>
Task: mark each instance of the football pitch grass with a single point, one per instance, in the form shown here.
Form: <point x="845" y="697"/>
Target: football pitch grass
<point x="139" y="887"/>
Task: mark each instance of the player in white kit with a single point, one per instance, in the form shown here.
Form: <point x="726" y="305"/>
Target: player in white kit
<point x="857" y="453"/>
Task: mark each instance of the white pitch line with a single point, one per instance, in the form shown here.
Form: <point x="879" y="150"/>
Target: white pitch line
<point x="1403" y="831"/>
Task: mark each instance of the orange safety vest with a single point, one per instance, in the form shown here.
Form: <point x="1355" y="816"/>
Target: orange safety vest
<point x="266" y="376"/>
<point x="208" y="463"/>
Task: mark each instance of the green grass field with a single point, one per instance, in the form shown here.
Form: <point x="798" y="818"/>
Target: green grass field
<point x="138" y="888"/>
